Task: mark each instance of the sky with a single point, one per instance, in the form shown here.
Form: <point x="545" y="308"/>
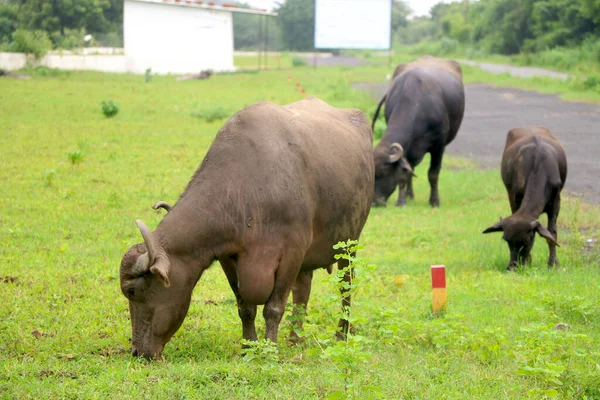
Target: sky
<point x="420" y="7"/>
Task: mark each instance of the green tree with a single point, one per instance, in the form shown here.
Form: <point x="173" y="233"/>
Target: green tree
<point x="8" y="21"/>
<point x="245" y="31"/>
<point x="96" y="16"/>
<point x="400" y="13"/>
<point x="297" y="22"/>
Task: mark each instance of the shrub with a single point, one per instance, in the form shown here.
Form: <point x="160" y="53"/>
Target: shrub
<point x="109" y="108"/>
<point x="75" y="156"/>
<point x="37" y="42"/>
<point x="298" y="61"/>
<point x="212" y="114"/>
<point x="70" y="39"/>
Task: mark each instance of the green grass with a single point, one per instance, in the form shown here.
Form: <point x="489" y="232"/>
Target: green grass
<point x="64" y="325"/>
<point x="281" y="61"/>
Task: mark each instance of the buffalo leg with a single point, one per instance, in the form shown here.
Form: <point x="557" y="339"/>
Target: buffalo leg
<point x="401" y="195"/>
<point x="246" y="311"/>
<point x="344" y="324"/>
<point x="552" y="213"/>
<point x="433" y="174"/>
<point x="409" y="188"/>
<point x="300" y="296"/>
<point x="405" y="189"/>
<point x="287" y="272"/>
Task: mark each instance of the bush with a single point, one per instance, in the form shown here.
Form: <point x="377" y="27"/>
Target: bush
<point x="37" y="42"/>
<point x="592" y="82"/>
<point x="109" y="108"/>
<point x="298" y="61"/>
<point x="70" y="39"/>
<point x="212" y="114"/>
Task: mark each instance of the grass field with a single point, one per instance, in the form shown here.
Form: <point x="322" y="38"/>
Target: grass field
<point x="73" y="183"/>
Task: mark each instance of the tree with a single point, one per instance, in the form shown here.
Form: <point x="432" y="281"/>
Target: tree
<point x="8" y="24"/>
<point x="400" y="13"/>
<point x="245" y="31"/>
<point x="96" y="16"/>
<point x="297" y="22"/>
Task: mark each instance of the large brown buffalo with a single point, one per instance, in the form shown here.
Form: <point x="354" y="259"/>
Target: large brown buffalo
<point x="424" y="107"/>
<point x="534" y="171"/>
<point x="279" y="186"/>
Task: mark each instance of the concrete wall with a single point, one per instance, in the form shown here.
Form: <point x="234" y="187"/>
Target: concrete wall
<point x="177" y="38"/>
<point x="13" y="61"/>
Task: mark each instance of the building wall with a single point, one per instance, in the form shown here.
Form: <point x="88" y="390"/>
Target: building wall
<point x="172" y="38"/>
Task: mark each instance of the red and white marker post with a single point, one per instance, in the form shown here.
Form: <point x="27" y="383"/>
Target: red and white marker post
<point x="438" y="285"/>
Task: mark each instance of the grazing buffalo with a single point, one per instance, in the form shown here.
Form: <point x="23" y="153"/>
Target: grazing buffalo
<point x="424" y="107"/>
<point x="279" y="186"/>
<point x="534" y="171"/>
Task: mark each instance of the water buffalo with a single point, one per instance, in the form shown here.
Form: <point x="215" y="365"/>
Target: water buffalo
<point x="534" y="171"/>
<point x="424" y="107"/>
<point x="279" y="186"/>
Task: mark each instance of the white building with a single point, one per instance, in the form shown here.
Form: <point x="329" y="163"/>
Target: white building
<point x="179" y="36"/>
<point x="168" y="36"/>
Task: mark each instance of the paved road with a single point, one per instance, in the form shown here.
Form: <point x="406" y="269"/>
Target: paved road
<point x="491" y="112"/>
<point x="521" y="72"/>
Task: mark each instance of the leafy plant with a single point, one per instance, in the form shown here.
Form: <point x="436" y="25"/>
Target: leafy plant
<point x="298" y="61"/>
<point x="75" y="156"/>
<point x="211" y="114"/>
<point x="48" y="176"/>
<point x="109" y="108"/>
<point x="31" y="42"/>
<point x="347" y="354"/>
<point x="264" y="353"/>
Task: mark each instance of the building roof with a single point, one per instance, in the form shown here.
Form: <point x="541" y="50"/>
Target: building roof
<point x="221" y="5"/>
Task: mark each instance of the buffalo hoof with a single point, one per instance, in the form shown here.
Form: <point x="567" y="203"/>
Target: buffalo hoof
<point x="435" y="203"/>
<point x="400" y="203"/>
<point x="553" y="263"/>
<point x="378" y="204"/>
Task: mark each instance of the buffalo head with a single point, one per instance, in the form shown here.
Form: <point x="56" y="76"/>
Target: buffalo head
<point x="519" y="232"/>
<point x="391" y="169"/>
<point x="158" y="298"/>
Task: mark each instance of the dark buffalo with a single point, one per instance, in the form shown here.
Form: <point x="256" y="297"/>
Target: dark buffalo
<point x="534" y="171"/>
<point x="424" y="107"/>
<point x="279" y="186"/>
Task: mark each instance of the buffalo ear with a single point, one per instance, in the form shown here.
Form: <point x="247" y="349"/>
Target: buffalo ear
<point x="161" y="270"/>
<point x="545" y="233"/>
<point x="497" y="227"/>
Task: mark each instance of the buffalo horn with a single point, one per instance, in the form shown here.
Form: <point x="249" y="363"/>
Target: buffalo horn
<point x="149" y="240"/>
<point x="396" y="152"/>
<point x="162" y="204"/>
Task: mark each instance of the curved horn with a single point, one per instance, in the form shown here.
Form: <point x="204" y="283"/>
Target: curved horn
<point x="396" y="152"/>
<point x="162" y="204"/>
<point x="141" y="266"/>
<point x="149" y="240"/>
<point x="158" y="262"/>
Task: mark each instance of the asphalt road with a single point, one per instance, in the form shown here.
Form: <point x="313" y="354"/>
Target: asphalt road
<point x="491" y="112"/>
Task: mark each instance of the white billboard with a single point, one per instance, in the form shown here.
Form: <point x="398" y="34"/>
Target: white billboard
<point x="353" y="24"/>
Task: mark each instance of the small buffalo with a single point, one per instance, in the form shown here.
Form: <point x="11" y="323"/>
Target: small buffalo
<point x="534" y="171"/>
<point x="279" y="186"/>
<point x="424" y="107"/>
